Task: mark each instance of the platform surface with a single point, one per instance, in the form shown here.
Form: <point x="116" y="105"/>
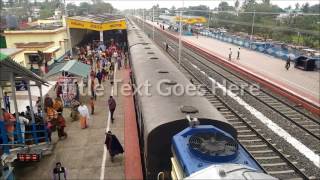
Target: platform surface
<point x="262" y="64"/>
<point x="82" y="152"/>
<point x="304" y="83"/>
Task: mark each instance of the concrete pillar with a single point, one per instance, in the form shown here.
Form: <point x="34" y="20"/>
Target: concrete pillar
<point x="101" y="36"/>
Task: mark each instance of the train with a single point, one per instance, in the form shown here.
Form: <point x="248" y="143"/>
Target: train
<point x="181" y="135"/>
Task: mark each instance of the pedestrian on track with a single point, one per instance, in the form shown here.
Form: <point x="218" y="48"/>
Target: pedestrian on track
<point x="230" y="54"/>
<point x="238" y="54"/>
<point x="112" y="106"/>
<point x="113" y="145"/>
<point x="288" y="63"/>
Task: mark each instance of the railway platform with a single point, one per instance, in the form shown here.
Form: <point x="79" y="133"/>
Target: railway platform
<point x="304" y="83"/>
<point x="300" y="86"/>
<point x="83" y="153"/>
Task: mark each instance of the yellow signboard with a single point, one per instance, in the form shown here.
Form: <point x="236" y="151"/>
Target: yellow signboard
<point x="72" y="23"/>
<point x="192" y="20"/>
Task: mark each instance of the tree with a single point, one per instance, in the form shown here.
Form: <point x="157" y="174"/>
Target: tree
<point x="224" y="6"/>
<point x="306" y="8"/>
<point x="46" y="13"/>
<point x="172" y="10"/>
<point x="266" y="1"/>
<point x="237" y="4"/>
<point x="297" y="6"/>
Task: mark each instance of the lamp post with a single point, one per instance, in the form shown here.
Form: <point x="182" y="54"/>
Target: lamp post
<point x="254" y="14"/>
<point x="180" y="33"/>
<point x="153" y="22"/>
<point x="143" y="20"/>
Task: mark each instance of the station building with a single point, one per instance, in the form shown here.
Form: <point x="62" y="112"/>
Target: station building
<point x="46" y="36"/>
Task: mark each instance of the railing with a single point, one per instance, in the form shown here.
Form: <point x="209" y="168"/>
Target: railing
<point x="263" y="47"/>
<point x="34" y="133"/>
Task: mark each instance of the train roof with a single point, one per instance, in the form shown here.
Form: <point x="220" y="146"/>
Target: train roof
<point x="149" y="64"/>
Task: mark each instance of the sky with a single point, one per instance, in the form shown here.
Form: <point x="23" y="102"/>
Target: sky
<point x="136" y="4"/>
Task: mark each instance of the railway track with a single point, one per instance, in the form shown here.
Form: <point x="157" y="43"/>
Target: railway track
<point x="266" y="153"/>
<point x="271" y="158"/>
<point x="310" y="125"/>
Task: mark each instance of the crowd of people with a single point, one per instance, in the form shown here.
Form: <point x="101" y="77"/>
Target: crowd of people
<point x="103" y="59"/>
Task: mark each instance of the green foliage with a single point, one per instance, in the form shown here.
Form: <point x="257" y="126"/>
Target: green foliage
<point x="46" y="13"/>
<point x="268" y="24"/>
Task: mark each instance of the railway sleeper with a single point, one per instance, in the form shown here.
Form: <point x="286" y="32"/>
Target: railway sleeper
<point x="290" y="171"/>
<point x="237" y="122"/>
<point x="310" y="125"/>
<point x="266" y="157"/>
<point x="241" y="127"/>
<point x="257" y="146"/>
<point x="276" y="164"/>
<point x="251" y="140"/>
<point x="247" y="130"/>
<point x="263" y="151"/>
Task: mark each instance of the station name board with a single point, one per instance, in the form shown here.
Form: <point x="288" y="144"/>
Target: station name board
<point x="72" y="23"/>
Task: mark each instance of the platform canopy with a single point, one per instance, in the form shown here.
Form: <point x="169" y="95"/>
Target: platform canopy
<point x="8" y="66"/>
<point x="97" y="22"/>
<point x="72" y="67"/>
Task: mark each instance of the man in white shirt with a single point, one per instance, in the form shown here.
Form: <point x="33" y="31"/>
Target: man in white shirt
<point x="22" y="122"/>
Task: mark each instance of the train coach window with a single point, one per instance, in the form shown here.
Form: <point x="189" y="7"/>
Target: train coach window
<point x="188" y="109"/>
<point x="171" y="83"/>
<point x="162" y="71"/>
<point x="150" y="52"/>
<point x="153" y="58"/>
<point x="147" y="48"/>
<point x="139" y="36"/>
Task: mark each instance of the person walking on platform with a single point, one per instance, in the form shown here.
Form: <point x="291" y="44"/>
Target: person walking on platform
<point x="112" y="107"/>
<point x="61" y="126"/>
<point x="92" y="105"/>
<point x="288" y="63"/>
<point x="6" y="102"/>
<point x="113" y="145"/>
<point x="230" y="54"/>
<point x="59" y="172"/>
<point x="99" y="77"/>
<point x="238" y="54"/>
<point x="84" y="115"/>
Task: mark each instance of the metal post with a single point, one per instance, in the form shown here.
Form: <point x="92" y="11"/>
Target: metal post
<point x="42" y="103"/>
<point x="209" y="19"/>
<point x="143" y="20"/>
<point x="68" y="29"/>
<point x="180" y="33"/>
<point x="13" y="92"/>
<point x="34" y="134"/>
<point x="101" y="36"/>
<point x="30" y="102"/>
<point x="153" y="23"/>
<point x="254" y="14"/>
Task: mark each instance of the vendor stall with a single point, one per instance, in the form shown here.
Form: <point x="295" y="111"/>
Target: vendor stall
<point x="71" y="73"/>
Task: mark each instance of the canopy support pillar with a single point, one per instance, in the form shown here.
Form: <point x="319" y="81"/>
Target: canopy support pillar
<point x="13" y="92"/>
<point x="34" y="134"/>
<point x="101" y="36"/>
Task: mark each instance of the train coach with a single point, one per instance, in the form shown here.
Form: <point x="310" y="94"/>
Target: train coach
<point x="172" y="143"/>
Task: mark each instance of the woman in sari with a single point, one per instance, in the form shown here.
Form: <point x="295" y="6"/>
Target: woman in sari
<point x="84" y="115"/>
